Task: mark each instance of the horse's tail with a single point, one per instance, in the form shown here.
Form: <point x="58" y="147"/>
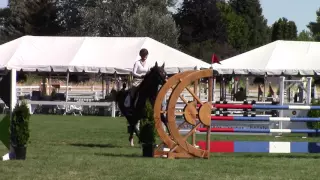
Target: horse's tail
<point x="115" y="95"/>
<point x="119" y="98"/>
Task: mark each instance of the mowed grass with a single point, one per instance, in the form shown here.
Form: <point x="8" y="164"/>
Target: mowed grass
<point x="69" y="147"/>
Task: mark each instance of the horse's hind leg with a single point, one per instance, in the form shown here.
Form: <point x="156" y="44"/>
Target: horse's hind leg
<point x="131" y="131"/>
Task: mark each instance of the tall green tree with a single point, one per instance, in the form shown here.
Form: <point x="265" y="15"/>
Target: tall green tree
<point x="34" y="17"/>
<point x="157" y="25"/>
<point x="314" y="27"/>
<point x="237" y="28"/>
<point x="284" y="30"/>
<point x="129" y="18"/>
<point x="305" y="36"/>
<point x="251" y="11"/>
<point x="205" y="49"/>
<point x="4" y="15"/>
<point x="68" y="14"/>
<point x="293" y="30"/>
<point x="200" y="21"/>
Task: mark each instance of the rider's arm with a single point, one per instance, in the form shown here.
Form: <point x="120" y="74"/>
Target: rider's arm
<point x="135" y="69"/>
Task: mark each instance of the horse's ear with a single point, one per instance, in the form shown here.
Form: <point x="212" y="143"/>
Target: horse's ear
<point x="156" y="64"/>
<point x="162" y="65"/>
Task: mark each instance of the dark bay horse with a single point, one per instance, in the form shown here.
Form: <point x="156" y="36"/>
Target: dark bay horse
<point x="147" y="90"/>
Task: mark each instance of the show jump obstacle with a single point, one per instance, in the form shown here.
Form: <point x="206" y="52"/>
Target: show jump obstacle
<point x="197" y="114"/>
<point x="178" y="145"/>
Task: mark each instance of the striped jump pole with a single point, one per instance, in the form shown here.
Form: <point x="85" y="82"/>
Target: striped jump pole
<point x="264" y="118"/>
<point x="239" y="130"/>
<point x="268" y="107"/>
<point x="261" y="147"/>
<point x="253" y="130"/>
<point x="243" y="102"/>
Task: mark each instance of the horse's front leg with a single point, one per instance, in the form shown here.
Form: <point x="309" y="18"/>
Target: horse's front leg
<point x="165" y="122"/>
<point x="136" y="130"/>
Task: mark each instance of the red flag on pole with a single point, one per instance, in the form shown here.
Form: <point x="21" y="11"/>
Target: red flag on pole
<point x="215" y="59"/>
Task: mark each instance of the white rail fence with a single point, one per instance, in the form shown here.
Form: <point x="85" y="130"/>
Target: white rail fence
<point x="84" y="95"/>
<point x="88" y="93"/>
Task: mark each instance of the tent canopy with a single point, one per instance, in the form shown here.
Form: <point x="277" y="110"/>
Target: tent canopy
<point x="90" y="54"/>
<point x="277" y="58"/>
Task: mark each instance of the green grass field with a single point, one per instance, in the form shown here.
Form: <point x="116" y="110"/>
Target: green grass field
<point x="69" y="147"/>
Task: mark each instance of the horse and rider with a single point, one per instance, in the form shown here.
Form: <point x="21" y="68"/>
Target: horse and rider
<point x="146" y="83"/>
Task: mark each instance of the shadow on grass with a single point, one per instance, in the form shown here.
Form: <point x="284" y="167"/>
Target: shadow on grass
<point x="119" y="155"/>
<point x="95" y="145"/>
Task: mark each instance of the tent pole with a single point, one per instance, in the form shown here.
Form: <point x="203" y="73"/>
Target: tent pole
<point x="309" y="87"/>
<point x="13" y="98"/>
<point x="264" y="89"/>
<point x="214" y="89"/>
<point x="113" y="108"/>
<point x="281" y="98"/>
<point x="102" y="83"/>
<point x="49" y="84"/>
<point x="247" y="87"/>
<point x="225" y="89"/>
<point x="67" y="84"/>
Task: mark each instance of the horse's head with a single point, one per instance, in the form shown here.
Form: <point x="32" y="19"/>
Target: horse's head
<point x="158" y="73"/>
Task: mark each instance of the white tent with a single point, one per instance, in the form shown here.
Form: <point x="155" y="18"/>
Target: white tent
<point x="90" y="54"/>
<point x="277" y="58"/>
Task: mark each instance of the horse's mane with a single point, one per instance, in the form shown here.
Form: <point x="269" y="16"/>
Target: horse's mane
<point x="147" y="76"/>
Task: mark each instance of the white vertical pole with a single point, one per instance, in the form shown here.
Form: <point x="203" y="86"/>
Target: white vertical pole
<point x="214" y="89"/>
<point x="281" y="97"/>
<point x="315" y="92"/>
<point x="13" y="102"/>
<point x="264" y="88"/>
<point x="113" y="104"/>
<point x="13" y="85"/>
<point x="67" y="92"/>
<point x="247" y="87"/>
<point x="113" y="111"/>
<point x="308" y="99"/>
<point x="103" y="86"/>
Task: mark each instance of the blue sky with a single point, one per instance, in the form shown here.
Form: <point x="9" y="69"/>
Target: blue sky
<point x="299" y="11"/>
<point x="3" y="3"/>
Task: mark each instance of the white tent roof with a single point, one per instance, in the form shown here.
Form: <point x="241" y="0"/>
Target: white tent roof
<point x="277" y="58"/>
<point x="90" y="54"/>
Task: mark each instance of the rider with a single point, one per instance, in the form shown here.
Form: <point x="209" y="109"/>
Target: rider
<point x="140" y="69"/>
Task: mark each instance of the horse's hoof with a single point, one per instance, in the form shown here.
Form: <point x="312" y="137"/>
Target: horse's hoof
<point x="131" y="142"/>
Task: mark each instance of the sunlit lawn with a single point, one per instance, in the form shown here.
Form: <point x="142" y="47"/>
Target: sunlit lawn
<point x="73" y="147"/>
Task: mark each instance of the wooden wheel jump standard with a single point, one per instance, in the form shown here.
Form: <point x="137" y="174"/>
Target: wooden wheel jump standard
<point x="178" y="144"/>
<point x="167" y="139"/>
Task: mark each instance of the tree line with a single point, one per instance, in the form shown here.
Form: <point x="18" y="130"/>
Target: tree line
<point x="198" y="28"/>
